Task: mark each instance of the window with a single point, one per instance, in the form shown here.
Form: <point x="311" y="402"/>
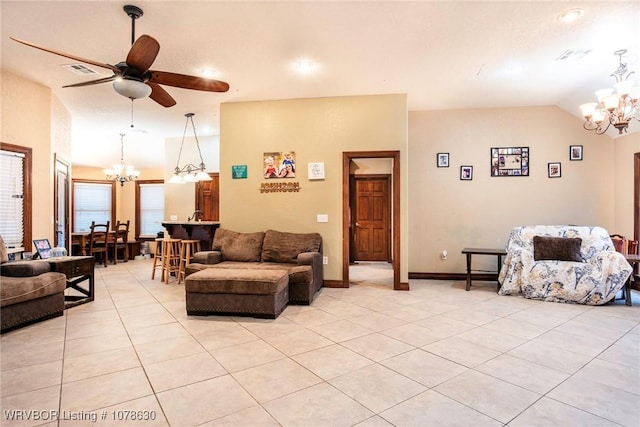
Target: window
<point x="149" y="208"/>
<point x="15" y="200"/>
<point x="92" y="201"/>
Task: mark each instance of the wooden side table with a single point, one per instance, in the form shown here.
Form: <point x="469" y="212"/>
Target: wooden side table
<point x="77" y="269"/>
<point x="482" y="251"/>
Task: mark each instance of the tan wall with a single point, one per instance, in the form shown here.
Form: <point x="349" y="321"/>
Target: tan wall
<point x="33" y="117"/>
<point x="125" y="195"/>
<point x="318" y="130"/>
<point x="447" y="213"/>
<point x="625" y="149"/>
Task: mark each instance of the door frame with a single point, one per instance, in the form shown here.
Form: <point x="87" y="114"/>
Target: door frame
<point x="63" y="166"/>
<point x="347" y="157"/>
<point x="636" y="196"/>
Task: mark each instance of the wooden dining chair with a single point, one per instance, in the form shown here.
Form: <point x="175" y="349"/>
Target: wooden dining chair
<point x="119" y="241"/>
<point x="99" y="241"/>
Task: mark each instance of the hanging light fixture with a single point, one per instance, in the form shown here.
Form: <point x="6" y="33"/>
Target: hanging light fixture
<point x="189" y="172"/>
<point x="616" y="106"/>
<point x="121" y="173"/>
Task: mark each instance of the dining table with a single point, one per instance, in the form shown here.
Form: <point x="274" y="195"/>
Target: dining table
<point x="81" y="238"/>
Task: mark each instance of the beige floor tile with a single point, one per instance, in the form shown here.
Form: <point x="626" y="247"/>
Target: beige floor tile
<point x="551" y="413"/>
<point x="550" y="356"/>
<point x="298" y="341"/>
<point x="146" y="320"/>
<point x="28" y="353"/>
<point x="588" y="346"/>
<point x="157" y="333"/>
<point x="332" y="361"/>
<point x="104" y="390"/>
<point x="603" y="320"/>
<point x="342" y="330"/>
<point x="34" y="377"/>
<point x="409" y="313"/>
<point x="537" y="378"/>
<point x="96" y="344"/>
<point x="92" y="329"/>
<point x="204" y="401"/>
<point x="607" y="402"/>
<point x="412" y="334"/>
<point x="376" y="321"/>
<point x="33" y="408"/>
<point x="611" y="374"/>
<point x="170" y="348"/>
<point x="145" y="412"/>
<point x="461" y="351"/>
<point x="424" y="367"/>
<point x="474" y="317"/>
<point x="444" y="327"/>
<point x="247" y="355"/>
<point x="517" y="328"/>
<point x="375" y="421"/>
<point x="308" y="318"/>
<point x="433" y="409"/>
<point x="275" y="379"/>
<point x="490" y="396"/>
<point x="255" y="416"/>
<point x="489" y="338"/>
<point x="225" y="336"/>
<point x="377" y="347"/>
<point x="341" y="309"/>
<point x="377" y="387"/>
<point x="344" y="410"/>
<point x="95" y="364"/>
<point x="626" y="351"/>
<point x="178" y="372"/>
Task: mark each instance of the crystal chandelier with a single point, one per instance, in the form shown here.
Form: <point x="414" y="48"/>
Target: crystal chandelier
<point x="121" y="173"/>
<point x="616" y="106"/>
<point x="189" y="172"/>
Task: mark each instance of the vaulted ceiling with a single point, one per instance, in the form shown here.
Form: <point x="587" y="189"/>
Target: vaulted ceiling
<point x="442" y="54"/>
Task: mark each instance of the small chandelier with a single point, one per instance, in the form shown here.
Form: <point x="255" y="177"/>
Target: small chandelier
<point x="189" y="172"/>
<point x="121" y="173"/>
<point x="616" y="106"/>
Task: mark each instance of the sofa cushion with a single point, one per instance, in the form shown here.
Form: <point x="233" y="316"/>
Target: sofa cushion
<point x="279" y="246"/>
<point x="234" y="246"/>
<point x="19" y="289"/>
<point x="237" y="281"/>
<point x="556" y="248"/>
<point x="24" y="268"/>
<point x="4" y="255"/>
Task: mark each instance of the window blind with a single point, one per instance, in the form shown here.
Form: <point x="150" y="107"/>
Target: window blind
<point x="91" y="202"/>
<point x="12" y="198"/>
<point x="151" y="209"/>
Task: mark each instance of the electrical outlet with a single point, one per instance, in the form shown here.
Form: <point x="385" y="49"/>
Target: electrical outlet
<point x="325" y="260"/>
<point x="322" y="218"/>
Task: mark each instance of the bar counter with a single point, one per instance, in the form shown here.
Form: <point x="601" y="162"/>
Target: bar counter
<point x="196" y="230"/>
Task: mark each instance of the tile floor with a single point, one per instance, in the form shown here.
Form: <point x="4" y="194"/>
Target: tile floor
<point x="365" y="356"/>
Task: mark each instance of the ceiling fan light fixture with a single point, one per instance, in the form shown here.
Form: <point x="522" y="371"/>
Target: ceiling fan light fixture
<point x="570" y="15"/>
<point x="132" y="89"/>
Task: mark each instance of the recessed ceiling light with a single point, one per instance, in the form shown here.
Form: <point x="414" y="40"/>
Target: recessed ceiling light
<point x="305" y="66"/>
<point x="570" y="15"/>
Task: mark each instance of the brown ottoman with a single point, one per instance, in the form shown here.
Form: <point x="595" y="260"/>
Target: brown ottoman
<point x="247" y="292"/>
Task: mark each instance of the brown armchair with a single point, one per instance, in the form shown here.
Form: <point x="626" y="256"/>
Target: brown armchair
<point x="29" y="291"/>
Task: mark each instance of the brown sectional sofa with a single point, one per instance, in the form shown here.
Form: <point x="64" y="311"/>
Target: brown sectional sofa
<point x="29" y="291"/>
<point x="299" y="254"/>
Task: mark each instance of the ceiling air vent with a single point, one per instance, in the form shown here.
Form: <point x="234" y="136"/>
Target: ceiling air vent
<point x="81" y="69"/>
<point x="573" y="54"/>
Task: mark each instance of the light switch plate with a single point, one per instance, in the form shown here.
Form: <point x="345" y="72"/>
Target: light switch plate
<point x="323" y="218"/>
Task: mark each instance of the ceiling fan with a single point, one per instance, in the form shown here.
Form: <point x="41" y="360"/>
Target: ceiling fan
<point x="133" y="78"/>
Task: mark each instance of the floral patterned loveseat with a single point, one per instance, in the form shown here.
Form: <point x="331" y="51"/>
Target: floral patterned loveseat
<point x="571" y="264"/>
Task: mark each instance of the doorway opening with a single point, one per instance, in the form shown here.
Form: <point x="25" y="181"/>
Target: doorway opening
<point x="61" y="203"/>
<point x="371" y="194"/>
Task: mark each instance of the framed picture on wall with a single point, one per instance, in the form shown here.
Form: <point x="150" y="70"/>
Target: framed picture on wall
<point x="555" y="170"/>
<point x="442" y="160"/>
<point x="575" y="152"/>
<point x="510" y="161"/>
<point x="279" y="164"/>
<point x="466" y="173"/>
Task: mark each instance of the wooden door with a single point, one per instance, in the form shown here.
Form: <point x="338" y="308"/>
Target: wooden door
<point x="61" y="204"/>
<point x="372" y="219"/>
<point x="208" y="198"/>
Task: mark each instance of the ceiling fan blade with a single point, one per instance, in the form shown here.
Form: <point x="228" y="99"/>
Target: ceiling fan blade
<point x="187" y="82"/>
<point x="160" y="95"/>
<point x="143" y="53"/>
<point x="67" y="55"/>
<point x="93" y="82"/>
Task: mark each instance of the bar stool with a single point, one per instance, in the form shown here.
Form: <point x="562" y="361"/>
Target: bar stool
<point x="158" y="261"/>
<point x="170" y="257"/>
<point x="187" y="249"/>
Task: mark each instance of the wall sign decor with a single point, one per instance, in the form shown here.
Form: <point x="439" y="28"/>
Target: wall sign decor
<point x="442" y="160"/>
<point x="239" y="171"/>
<point x="279" y="187"/>
<point x="316" y="170"/>
<point x="279" y="165"/>
<point x="510" y="161"/>
<point x="466" y="173"/>
<point x="575" y="152"/>
<point x="555" y="170"/>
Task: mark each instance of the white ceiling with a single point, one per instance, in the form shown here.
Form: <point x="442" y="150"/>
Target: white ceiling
<point x="442" y="54"/>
